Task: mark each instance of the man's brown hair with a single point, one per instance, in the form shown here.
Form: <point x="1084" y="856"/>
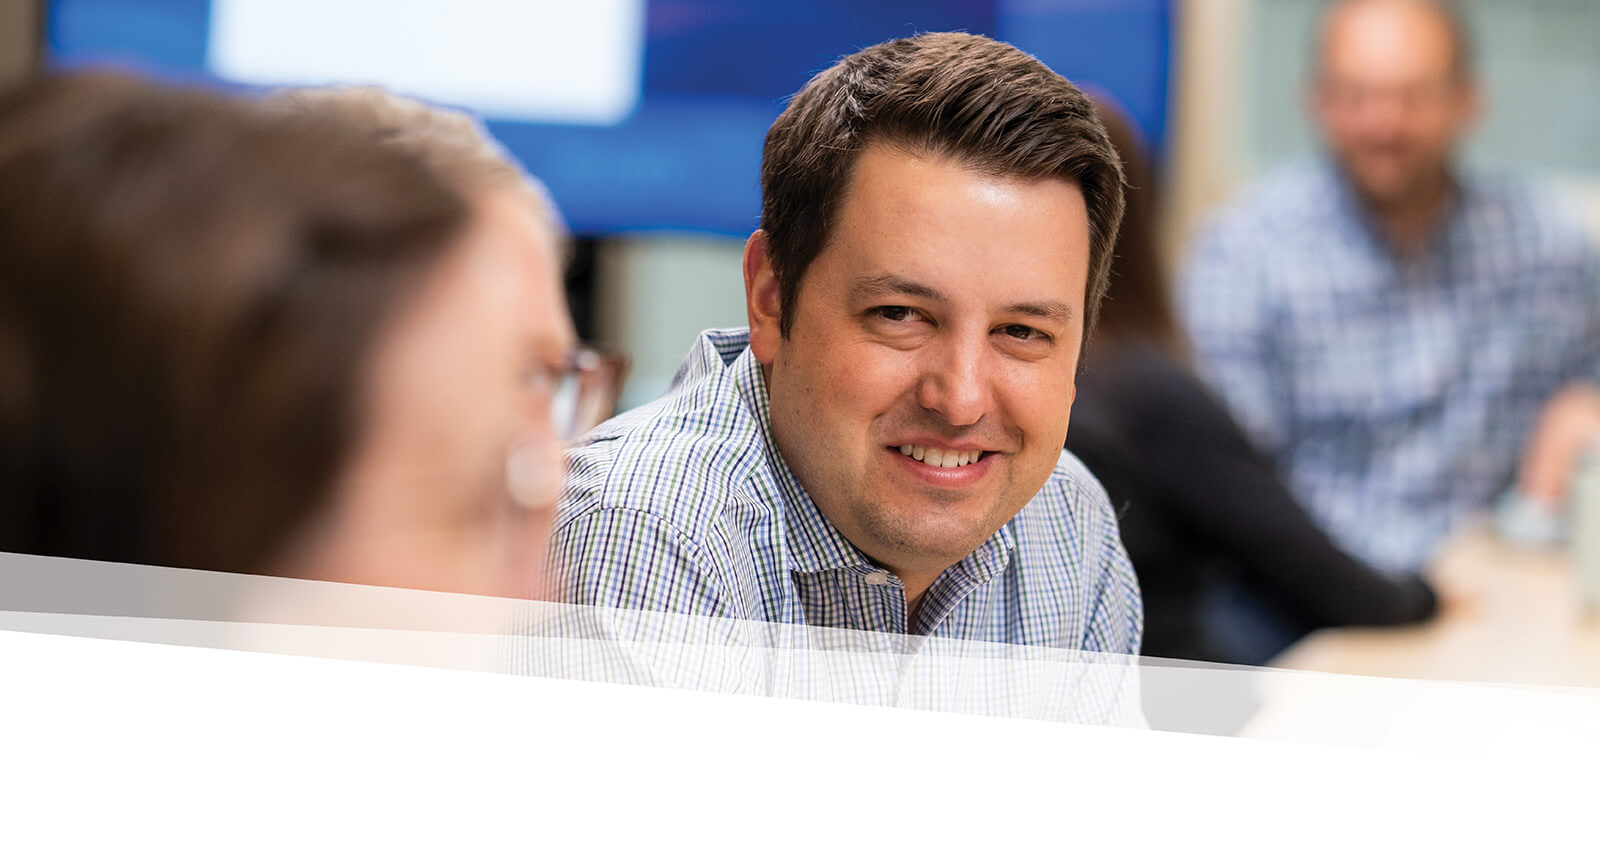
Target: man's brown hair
<point x="983" y="103"/>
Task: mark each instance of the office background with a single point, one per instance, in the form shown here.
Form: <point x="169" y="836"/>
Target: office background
<point x="662" y="195"/>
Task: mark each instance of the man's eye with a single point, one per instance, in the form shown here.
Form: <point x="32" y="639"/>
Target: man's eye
<point x="1024" y="333"/>
<point x="896" y="312"/>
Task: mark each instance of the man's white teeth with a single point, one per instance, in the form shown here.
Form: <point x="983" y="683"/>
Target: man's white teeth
<point x="940" y="458"/>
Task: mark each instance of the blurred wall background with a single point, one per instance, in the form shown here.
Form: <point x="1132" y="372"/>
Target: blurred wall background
<point x="1242" y="67"/>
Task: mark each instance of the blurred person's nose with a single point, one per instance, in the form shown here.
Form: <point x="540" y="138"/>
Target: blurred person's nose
<point x="1384" y="118"/>
<point x="956" y="378"/>
<point x="1387" y="113"/>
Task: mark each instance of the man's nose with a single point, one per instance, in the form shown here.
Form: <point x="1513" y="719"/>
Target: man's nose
<point x="957" y="381"/>
<point x="1383" y="114"/>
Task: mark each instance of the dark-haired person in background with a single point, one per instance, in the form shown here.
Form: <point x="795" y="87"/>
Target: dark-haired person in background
<point x="292" y="343"/>
<point x="881" y="450"/>
<point x="1232" y="569"/>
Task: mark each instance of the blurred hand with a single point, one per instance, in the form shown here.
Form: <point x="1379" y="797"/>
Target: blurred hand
<point x="1567" y="426"/>
<point x="1457" y="598"/>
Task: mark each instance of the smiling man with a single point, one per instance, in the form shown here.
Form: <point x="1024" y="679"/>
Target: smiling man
<point x="882" y="448"/>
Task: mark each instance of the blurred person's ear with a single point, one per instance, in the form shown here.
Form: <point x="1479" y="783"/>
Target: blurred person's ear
<point x="763" y="299"/>
<point x="1470" y="101"/>
<point x="1316" y="98"/>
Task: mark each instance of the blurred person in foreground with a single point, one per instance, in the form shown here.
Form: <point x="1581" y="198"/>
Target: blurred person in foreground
<point x="271" y="342"/>
<point x="1231" y="568"/>
<point x="881" y="449"/>
<point x="1384" y="322"/>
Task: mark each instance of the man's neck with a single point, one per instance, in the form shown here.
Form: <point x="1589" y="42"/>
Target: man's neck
<point x="1407" y="224"/>
<point x="916" y="589"/>
<point x="916" y="583"/>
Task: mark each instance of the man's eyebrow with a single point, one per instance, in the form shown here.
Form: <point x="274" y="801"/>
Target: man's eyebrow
<point x="1058" y="312"/>
<point x="874" y="286"/>
<point x="877" y="286"/>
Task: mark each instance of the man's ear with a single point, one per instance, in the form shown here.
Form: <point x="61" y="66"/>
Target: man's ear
<point x="763" y="299"/>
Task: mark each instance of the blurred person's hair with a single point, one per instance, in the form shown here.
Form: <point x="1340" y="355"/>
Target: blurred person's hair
<point x="192" y="291"/>
<point x="453" y="143"/>
<point x="1138" y="304"/>
<point x="985" y="104"/>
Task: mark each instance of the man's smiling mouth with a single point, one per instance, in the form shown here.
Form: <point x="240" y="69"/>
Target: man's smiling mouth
<point x="940" y="457"/>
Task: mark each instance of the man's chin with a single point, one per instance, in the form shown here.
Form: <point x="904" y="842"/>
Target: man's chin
<point x="926" y="534"/>
<point x="1386" y="185"/>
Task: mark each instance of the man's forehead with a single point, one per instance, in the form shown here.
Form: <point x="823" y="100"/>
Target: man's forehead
<point x="888" y="176"/>
<point x="928" y="224"/>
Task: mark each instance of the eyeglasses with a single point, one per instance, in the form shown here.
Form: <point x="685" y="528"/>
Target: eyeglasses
<point x="582" y="390"/>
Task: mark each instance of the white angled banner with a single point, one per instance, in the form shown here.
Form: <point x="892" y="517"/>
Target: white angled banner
<point x="205" y="715"/>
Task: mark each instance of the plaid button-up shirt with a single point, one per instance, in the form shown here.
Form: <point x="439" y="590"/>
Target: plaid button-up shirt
<point x="1395" y="392"/>
<point x="685" y="506"/>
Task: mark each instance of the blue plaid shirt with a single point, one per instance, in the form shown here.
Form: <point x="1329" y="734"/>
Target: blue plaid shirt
<point x="684" y="505"/>
<point x="1395" y="393"/>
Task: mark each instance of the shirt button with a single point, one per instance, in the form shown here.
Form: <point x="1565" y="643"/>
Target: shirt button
<point x="877" y="579"/>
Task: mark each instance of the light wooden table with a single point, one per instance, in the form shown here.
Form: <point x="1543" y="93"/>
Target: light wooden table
<point x="1511" y="667"/>
<point x="1512" y="615"/>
